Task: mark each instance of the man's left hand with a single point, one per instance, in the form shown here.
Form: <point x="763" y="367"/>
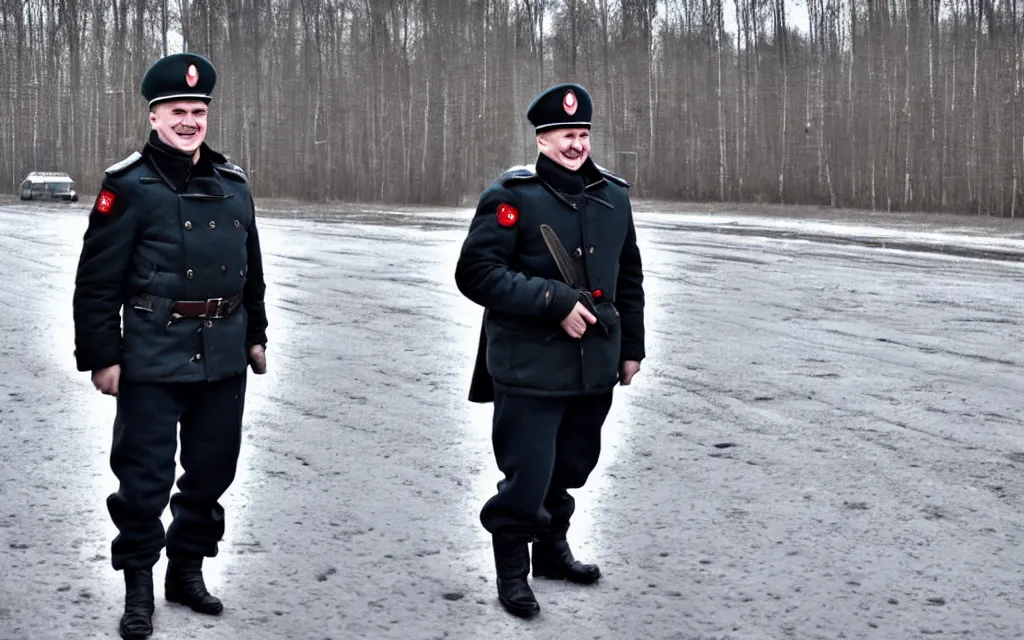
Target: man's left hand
<point x="627" y="370"/>
<point x="258" y="359"/>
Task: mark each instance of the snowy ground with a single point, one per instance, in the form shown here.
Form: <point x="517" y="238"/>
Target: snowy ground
<point x="824" y="443"/>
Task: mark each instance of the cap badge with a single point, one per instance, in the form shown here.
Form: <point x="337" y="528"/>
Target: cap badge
<point x="192" y="75"/>
<point x="569" y="102"/>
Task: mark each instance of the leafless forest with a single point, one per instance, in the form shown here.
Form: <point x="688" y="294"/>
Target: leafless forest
<point x="886" y="105"/>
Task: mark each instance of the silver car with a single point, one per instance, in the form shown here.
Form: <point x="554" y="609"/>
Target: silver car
<point x="45" y="185"/>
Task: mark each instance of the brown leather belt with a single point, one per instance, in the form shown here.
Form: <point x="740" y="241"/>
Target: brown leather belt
<point x="212" y="308"/>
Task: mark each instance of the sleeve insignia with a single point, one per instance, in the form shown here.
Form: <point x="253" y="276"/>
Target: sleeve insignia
<point x="507" y="215"/>
<point x="105" y="202"/>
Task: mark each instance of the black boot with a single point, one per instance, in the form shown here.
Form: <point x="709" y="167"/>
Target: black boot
<point x="184" y="584"/>
<point x="137" y="621"/>
<point x="512" y="561"/>
<point x="553" y="559"/>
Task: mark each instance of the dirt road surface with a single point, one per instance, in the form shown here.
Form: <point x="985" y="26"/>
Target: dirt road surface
<point x="825" y="442"/>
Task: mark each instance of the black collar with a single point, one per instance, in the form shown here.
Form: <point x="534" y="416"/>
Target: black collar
<point x="570" y="183"/>
<point x="176" y="167"/>
<point x="591" y="174"/>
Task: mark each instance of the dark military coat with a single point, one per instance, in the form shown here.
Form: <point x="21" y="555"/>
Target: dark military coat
<point x="163" y="230"/>
<point x="506" y="267"/>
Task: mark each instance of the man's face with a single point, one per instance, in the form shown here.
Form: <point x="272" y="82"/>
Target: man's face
<point x="180" y="123"/>
<point x="568" y="147"/>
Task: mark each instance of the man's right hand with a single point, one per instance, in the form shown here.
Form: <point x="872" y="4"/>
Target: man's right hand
<point x="575" y="324"/>
<point x="106" y="380"/>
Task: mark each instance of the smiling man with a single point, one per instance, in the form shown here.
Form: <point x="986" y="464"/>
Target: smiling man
<point x="172" y="241"/>
<point x="551" y="255"/>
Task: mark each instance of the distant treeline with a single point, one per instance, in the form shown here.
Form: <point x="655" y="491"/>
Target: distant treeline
<point x="885" y="105"/>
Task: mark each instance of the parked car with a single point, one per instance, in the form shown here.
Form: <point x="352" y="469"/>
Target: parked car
<point x="47" y="185"/>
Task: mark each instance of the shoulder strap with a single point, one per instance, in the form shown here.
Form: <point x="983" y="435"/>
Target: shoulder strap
<point x="232" y="171"/>
<point x="520" y="173"/>
<point x="608" y="175"/>
<point x="123" y="165"/>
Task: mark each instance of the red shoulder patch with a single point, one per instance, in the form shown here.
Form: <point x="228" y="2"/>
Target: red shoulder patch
<point x="507" y="215"/>
<point x="105" y="202"/>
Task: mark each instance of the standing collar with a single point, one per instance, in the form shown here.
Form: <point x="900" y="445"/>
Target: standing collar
<point x="565" y="181"/>
<point x="558" y="177"/>
<point x="175" y="166"/>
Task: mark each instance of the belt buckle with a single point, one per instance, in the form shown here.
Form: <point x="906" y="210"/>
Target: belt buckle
<point x="213" y="308"/>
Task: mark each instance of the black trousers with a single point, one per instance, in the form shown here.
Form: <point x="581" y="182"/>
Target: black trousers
<point x="544" y="446"/>
<point x="142" y="458"/>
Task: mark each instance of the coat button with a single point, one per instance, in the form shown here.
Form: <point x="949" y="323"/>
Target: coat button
<point x="198" y="357"/>
<point x="189" y="274"/>
<point x="223" y="268"/>
<point x="213" y="225"/>
<point x="575" y="206"/>
<point x="237" y="224"/>
<point x="241" y="274"/>
<point x="188" y="224"/>
<point x="579" y="252"/>
<point x="208" y="324"/>
<point x="591" y="250"/>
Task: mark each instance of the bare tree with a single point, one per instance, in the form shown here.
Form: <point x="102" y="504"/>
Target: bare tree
<point x="903" y="105"/>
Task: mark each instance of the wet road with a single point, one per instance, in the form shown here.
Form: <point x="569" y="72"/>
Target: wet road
<point x="824" y="443"/>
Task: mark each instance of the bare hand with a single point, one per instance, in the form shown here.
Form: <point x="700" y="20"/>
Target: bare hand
<point x="575" y="324"/>
<point x="258" y="359"/>
<point x="107" y="380"/>
<point x="627" y="370"/>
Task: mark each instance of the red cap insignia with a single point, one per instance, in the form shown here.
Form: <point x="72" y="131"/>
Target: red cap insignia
<point x="105" y="202"/>
<point x="192" y="75"/>
<point x="507" y="215"/>
<point x="569" y="102"/>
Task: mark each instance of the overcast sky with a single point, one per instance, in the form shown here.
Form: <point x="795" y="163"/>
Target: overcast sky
<point x="796" y="18"/>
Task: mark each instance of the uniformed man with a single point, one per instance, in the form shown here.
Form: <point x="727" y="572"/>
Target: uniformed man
<point x="172" y="241"/>
<point x="552" y="348"/>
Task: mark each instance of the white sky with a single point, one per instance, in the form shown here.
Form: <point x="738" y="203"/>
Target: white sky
<point x="796" y="15"/>
<point x="796" y="18"/>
